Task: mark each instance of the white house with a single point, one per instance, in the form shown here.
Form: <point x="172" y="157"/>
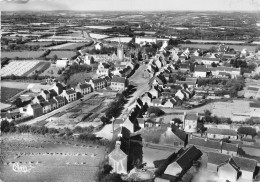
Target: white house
<point x="62" y="63"/>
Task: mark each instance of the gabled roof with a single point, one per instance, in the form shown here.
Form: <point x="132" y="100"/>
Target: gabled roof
<point x="200" y="68"/>
<point x="191" y="116"/>
<point x="254" y="105"/>
<point x="46" y="103"/>
<point x="118" y="79"/>
<point x="117" y="154"/>
<point x="232" y="163"/>
<point x="84" y="85"/>
<point x="244" y="164"/>
<point x="36" y="106"/>
<point x="53" y="93"/>
<point x="222" y="131"/>
<point x="186" y="159"/>
<point x="229" y="147"/>
<point x="52" y="101"/>
<point x="70" y="91"/>
<point x="217" y="158"/>
<point x="60" y="99"/>
<point x="40" y="98"/>
<point x="98" y="80"/>
<point x="203" y="142"/>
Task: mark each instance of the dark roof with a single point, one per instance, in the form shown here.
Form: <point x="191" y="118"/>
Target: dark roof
<point x="204" y="142"/>
<point x="140" y="102"/>
<point x="229" y="147"/>
<point x="40" y="98"/>
<point x="217" y="158"/>
<point x="222" y="131"/>
<point x="125" y="132"/>
<point x="60" y="99"/>
<point x="118" y="121"/>
<point x="98" y="80"/>
<point x="210" y="59"/>
<point x="70" y="91"/>
<point x="232" y="163"/>
<point x="46" y="91"/>
<point x="185" y="82"/>
<point x="255" y="105"/>
<point x="244" y="164"/>
<point x="84" y="85"/>
<point x="36" y="106"/>
<point x="118" y="79"/>
<point x="179" y="133"/>
<point x="191" y="116"/>
<point x="52" y="101"/>
<point x="200" y="68"/>
<point x="186" y="159"/>
<point x="53" y="93"/>
<point x="46" y="103"/>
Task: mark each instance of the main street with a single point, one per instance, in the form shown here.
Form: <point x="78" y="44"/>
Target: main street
<point x="68" y="106"/>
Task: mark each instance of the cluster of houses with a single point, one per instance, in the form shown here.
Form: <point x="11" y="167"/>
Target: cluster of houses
<point x="58" y="95"/>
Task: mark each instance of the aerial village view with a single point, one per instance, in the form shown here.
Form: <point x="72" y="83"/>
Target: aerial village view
<point x="120" y="91"/>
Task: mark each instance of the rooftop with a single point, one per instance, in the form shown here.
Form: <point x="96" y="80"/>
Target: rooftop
<point x="118" y="79"/>
<point x="222" y="131"/>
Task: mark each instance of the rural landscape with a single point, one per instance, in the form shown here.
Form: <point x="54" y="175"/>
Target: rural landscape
<point x="139" y="95"/>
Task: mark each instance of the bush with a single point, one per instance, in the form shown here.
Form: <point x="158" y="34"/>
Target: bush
<point x="247" y="131"/>
<point x="5" y="126"/>
<point x="155" y="110"/>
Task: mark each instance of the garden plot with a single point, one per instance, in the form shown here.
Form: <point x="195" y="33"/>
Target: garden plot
<point x="22" y="54"/>
<point x="67" y="46"/>
<point x="49" y="159"/>
<point x="62" y="54"/>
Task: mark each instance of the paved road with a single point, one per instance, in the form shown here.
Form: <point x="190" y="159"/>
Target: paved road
<point x="70" y="105"/>
<point x="141" y="87"/>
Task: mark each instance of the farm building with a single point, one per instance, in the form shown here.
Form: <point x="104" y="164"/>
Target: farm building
<point x="62" y="63"/>
<point x="246" y="166"/>
<point x="254" y="109"/>
<point x="217" y="133"/>
<point x="118" y="83"/>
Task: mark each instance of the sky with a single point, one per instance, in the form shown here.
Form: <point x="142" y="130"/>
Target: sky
<point x="131" y="5"/>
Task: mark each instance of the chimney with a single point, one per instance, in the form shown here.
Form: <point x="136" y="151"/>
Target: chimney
<point x="118" y="144"/>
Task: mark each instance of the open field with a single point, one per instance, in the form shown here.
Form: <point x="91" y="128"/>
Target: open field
<point x="19" y="67"/>
<point x="41" y="66"/>
<point x="121" y="39"/>
<point x="23" y="54"/>
<point x="227" y="109"/>
<point x="41" y="44"/>
<point x="62" y="54"/>
<point x="69" y="45"/>
<point x="49" y="159"/>
<point x="7" y="93"/>
<point x="80" y="77"/>
<point x="207" y="46"/>
<point x="4" y="105"/>
<point x="98" y="36"/>
<point x="81" y="113"/>
<point x="20" y="85"/>
<point x="51" y="71"/>
<point x="101" y="27"/>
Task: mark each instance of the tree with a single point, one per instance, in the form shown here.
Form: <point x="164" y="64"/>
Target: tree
<point x="157" y="111"/>
<point x="5" y="126"/>
<point x="247" y="131"/>
<point x="18" y="102"/>
<point x="173" y="42"/>
<point x="55" y="57"/>
<point x="213" y="64"/>
<point x="105" y="120"/>
<point x="112" y="178"/>
<point x="229" y="121"/>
